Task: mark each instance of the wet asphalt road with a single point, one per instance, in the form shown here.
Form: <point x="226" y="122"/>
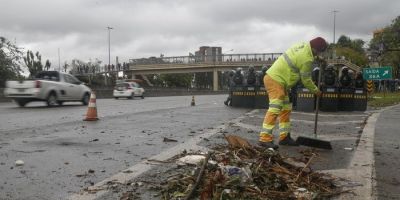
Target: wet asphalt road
<point x="64" y="154"/>
<point x="387" y="157"/>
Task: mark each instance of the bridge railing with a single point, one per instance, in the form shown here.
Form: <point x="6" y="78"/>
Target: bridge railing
<point x="192" y="59"/>
<point x="347" y="63"/>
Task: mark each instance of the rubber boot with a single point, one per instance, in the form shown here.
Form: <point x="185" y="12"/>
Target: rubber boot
<point x="268" y="145"/>
<point x="288" y="141"/>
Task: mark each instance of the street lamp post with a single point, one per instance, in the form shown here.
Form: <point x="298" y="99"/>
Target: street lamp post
<point x="109" y="52"/>
<point x="334" y="25"/>
<point x="109" y="44"/>
<point x="334" y="32"/>
<point x="59" y="62"/>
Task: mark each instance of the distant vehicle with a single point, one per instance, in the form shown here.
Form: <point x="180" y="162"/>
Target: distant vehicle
<point x="128" y="90"/>
<point x="53" y="87"/>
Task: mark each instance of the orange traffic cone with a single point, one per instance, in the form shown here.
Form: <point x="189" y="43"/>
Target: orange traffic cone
<point x="192" y="103"/>
<point x="91" y="114"/>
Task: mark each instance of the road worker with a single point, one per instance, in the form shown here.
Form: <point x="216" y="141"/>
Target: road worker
<point x="293" y="65"/>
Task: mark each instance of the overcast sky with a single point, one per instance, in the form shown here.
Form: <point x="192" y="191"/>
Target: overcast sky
<point x="176" y="27"/>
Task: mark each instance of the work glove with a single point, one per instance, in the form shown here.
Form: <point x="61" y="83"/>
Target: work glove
<point x="321" y="61"/>
<point x="318" y="93"/>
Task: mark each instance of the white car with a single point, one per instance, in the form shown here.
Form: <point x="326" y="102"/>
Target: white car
<point x="53" y="87"/>
<point x="128" y="90"/>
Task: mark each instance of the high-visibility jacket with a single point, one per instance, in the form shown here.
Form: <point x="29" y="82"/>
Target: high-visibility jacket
<point x="294" y="64"/>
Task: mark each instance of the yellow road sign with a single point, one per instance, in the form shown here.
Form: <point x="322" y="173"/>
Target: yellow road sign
<point x="370" y="86"/>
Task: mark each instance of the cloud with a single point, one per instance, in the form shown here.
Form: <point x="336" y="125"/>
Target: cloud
<point x="177" y="27"/>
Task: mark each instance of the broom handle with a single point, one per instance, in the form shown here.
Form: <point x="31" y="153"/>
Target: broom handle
<point x="317" y="103"/>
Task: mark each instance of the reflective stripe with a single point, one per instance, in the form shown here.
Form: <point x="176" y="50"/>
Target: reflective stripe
<point x="291" y="65"/>
<point x="287" y="107"/>
<point x="284" y="124"/>
<point x="276" y="101"/>
<point x="265" y="137"/>
<point x="268" y="127"/>
<point x="282" y="136"/>
<point x="266" y="131"/>
<point x="274" y="111"/>
<point x="284" y="130"/>
<point x="271" y="105"/>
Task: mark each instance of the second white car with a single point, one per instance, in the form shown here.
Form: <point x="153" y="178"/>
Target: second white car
<point x="128" y="90"/>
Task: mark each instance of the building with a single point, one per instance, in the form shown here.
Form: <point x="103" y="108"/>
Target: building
<point x="209" y="54"/>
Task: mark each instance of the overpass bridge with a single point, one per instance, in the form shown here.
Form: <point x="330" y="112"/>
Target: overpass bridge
<point x="214" y="63"/>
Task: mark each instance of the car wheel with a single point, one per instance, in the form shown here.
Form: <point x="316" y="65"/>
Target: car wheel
<point x="21" y="102"/>
<point x="60" y="103"/>
<point x="51" y="100"/>
<point x="85" y="99"/>
<point x="132" y="96"/>
<point x="115" y="97"/>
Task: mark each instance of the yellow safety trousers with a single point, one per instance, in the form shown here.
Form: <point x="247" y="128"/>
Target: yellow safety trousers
<point x="279" y="106"/>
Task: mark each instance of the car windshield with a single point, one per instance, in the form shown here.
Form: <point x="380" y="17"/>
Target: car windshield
<point x="53" y="76"/>
<point x="122" y="85"/>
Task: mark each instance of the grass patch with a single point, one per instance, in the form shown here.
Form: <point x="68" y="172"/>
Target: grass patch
<point x="382" y="100"/>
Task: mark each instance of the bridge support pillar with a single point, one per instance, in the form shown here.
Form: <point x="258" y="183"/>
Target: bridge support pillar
<point x="215" y="79"/>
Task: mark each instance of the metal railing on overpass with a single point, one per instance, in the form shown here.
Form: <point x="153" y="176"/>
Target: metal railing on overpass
<point x="184" y="64"/>
<point x="191" y="63"/>
<point x="223" y="58"/>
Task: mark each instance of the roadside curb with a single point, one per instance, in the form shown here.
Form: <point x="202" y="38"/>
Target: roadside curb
<point x="361" y="171"/>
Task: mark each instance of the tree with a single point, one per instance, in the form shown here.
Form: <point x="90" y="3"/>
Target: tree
<point x="34" y="65"/>
<point x="344" y="41"/>
<point x="358" y="45"/>
<point x="352" y="50"/>
<point x="203" y="80"/>
<point x="65" y="67"/>
<point x="47" y="65"/>
<point x="10" y="57"/>
<point x="353" y="56"/>
<point x="176" y="80"/>
<point x="385" y="46"/>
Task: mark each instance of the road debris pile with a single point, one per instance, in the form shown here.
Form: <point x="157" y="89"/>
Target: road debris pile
<point x="243" y="171"/>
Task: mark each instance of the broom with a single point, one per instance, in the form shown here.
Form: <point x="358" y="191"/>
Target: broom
<point x="314" y="142"/>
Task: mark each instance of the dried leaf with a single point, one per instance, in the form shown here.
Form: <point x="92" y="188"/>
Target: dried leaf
<point x="237" y="142"/>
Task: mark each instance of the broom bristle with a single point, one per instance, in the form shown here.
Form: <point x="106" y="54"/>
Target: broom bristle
<point x="312" y="142"/>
